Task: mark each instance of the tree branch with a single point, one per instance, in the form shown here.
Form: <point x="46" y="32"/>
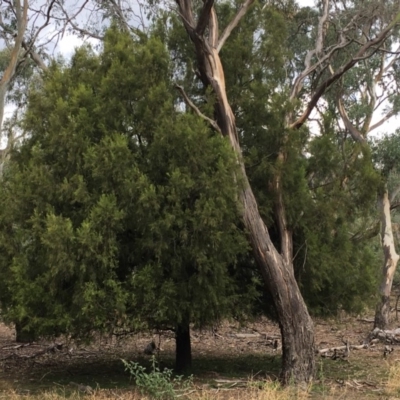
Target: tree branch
<point x="234" y="23"/>
<point x="382" y="121"/>
<point x="322" y="29"/>
<point x="69" y="20"/>
<point x="354" y="132"/>
<point x="367" y="233"/>
<point x="189" y="102"/>
<point x="204" y="17"/>
<point x="341" y="71"/>
<point x="34" y="55"/>
<point x="308" y="68"/>
<point x="394" y="206"/>
<point x="186" y="14"/>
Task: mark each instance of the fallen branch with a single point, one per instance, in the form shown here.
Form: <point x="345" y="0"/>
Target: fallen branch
<point x="247" y="335"/>
<point x="389" y="336"/>
<point x="341" y="348"/>
<point x="50" y="349"/>
<point x="18" y="346"/>
<point x="366" y="320"/>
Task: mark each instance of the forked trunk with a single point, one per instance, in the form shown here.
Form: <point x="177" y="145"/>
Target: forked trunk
<point x="298" y="364"/>
<point x="391" y="258"/>
<point x="183" y="351"/>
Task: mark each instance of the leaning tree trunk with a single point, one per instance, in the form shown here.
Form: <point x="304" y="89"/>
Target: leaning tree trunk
<point x="298" y="364"/>
<point x="183" y="352"/>
<point x="391" y="258"/>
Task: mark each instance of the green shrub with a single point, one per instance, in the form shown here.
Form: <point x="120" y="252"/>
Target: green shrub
<point x="158" y="384"/>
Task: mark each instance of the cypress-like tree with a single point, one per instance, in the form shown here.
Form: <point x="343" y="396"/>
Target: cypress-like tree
<point x="120" y="209"/>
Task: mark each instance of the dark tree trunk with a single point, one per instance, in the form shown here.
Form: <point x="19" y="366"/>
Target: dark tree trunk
<point x="22" y="335"/>
<point x="382" y="313"/>
<point x="183" y="352"/>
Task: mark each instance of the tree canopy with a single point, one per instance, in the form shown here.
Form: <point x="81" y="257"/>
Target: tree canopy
<point x="119" y="210"/>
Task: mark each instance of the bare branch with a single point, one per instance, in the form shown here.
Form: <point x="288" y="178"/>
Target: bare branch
<point x="382" y="121"/>
<point x="233" y="24"/>
<point x="34" y="55"/>
<point x="285" y="234"/>
<point x="354" y="132"/>
<point x="70" y="21"/>
<point x="190" y="103"/>
<point x="367" y="233"/>
<point x="361" y="55"/>
<point x="311" y="68"/>
<point x="308" y="68"/>
<point x="371" y="89"/>
<point x="46" y="23"/>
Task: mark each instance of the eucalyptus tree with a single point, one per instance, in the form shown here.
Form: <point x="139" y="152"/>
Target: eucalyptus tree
<point x="387" y="158"/>
<point x="307" y="87"/>
<point x="364" y="99"/>
<point x="320" y="209"/>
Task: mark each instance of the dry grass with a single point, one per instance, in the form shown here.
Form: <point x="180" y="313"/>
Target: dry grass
<point x="254" y="390"/>
<point x="221" y="373"/>
<point x="392" y="385"/>
<point x="270" y="391"/>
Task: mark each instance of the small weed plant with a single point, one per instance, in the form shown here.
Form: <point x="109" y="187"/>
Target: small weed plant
<point x="157" y="384"/>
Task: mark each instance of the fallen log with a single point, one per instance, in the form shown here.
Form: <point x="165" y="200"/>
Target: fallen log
<point x="389" y="336"/>
<point x="342" y="348"/>
<point x="50" y="349"/>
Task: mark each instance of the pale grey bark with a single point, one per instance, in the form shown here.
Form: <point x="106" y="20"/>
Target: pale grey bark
<point x="359" y="134"/>
<point x="391" y="258"/>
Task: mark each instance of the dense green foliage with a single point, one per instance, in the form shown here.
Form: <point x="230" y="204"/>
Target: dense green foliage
<point x="119" y="210"/>
<point x="329" y="182"/>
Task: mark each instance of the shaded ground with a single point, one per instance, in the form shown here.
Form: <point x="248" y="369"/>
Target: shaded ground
<point x="229" y="353"/>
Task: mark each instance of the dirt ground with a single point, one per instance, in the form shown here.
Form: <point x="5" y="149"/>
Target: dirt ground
<point x="228" y="352"/>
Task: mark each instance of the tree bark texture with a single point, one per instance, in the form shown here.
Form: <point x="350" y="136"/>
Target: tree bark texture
<point x="296" y="326"/>
<point x="298" y="362"/>
<point x="183" y="352"/>
<point x="391" y="258"/>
